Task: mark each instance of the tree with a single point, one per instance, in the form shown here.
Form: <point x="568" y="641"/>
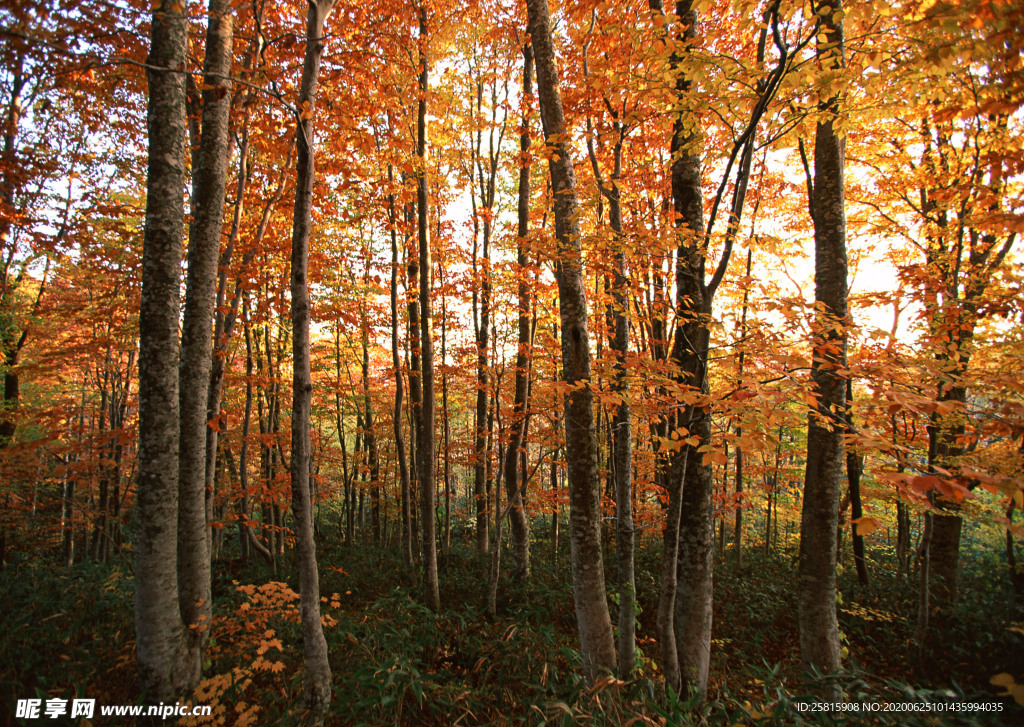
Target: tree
<point x="518" y="419"/>
<point x="163" y="671"/>
<point x="685" y="603"/>
<point x="952" y="202"/>
<point x="819" y="629"/>
<point x="426" y="438"/>
<point x="403" y="463"/>
<point x="208" y="185"/>
<point x="592" y="619"/>
<point x="318" y="670"/>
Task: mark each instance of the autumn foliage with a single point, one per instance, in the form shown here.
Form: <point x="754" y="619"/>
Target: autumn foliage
<point x="415" y="168"/>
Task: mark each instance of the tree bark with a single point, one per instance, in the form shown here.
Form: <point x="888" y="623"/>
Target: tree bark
<point x="592" y="618"/>
<point x="819" y="629"/>
<point x="517" y="421"/>
<point x="209" y="181"/>
<point x="687" y="611"/>
<point x="369" y="436"/>
<point x="426" y="440"/>
<point x="902" y="538"/>
<point x="854" y="469"/>
<point x="396" y="362"/>
<point x="318" y="670"/>
<point x="414" y="368"/>
<point x="738" y="525"/>
<point x="163" y="671"/>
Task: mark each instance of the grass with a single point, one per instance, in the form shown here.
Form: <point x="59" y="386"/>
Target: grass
<point x="395" y="662"/>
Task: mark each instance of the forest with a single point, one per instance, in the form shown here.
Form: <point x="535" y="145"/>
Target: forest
<point x="493" y="362"/>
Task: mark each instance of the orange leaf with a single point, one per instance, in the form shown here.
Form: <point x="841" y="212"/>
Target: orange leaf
<point x="865" y="525"/>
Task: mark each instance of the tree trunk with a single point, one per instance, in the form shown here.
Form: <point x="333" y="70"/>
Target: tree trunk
<point x="945" y="554"/>
<point x="415" y="378"/>
<point x="396" y="362"/>
<point x="318" y="671"/>
<point x="592" y="618"/>
<point x="684" y="615"/>
<point x="554" y="506"/>
<point x="691" y="620"/>
<point x="819" y="630"/>
<point x="902" y="538"/>
<point x="738" y="526"/>
<point x="163" y="671"/>
<point x="369" y="435"/>
<point x="209" y="180"/>
<point x="447" y="443"/>
<point x="426" y="440"/>
<point x="854" y="469"/>
<point x="10" y="345"/>
<point x="923" y="600"/>
<point x="517" y="421"/>
<point x="622" y="432"/>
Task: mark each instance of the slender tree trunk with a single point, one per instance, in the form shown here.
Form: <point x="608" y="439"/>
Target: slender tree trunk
<point x="447" y="444"/>
<point x="415" y="378"/>
<point x="1012" y="567"/>
<point x="593" y="621"/>
<point x="318" y="671"/>
<point x="481" y="449"/>
<point x="554" y="507"/>
<point x="164" y="673"/>
<point x="854" y="469"/>
<point x="499" y="516"/>
<point x="396" y="362"/>
<point x="244" y="530"/>
<point x="369" y="435"/>
<point x="624" y="484"/>
<point x="738" y="527"/>
<point x="819" y="630"/>
<point x="902" y="538"/>
<point x="426" y="440"/>
<point x="10" y="349"/>
<point x="517" y="421"/>
<point x="622" y="432"/>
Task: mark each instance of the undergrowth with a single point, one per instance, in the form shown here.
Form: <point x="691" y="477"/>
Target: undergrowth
<point x="70" y="633"/>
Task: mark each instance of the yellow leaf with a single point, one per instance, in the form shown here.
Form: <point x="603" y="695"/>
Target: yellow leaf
<point x="865" y="525"/>
<point x="1002" y="680"/>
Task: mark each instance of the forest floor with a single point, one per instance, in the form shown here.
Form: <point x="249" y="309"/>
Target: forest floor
<point x="70" y="633"/>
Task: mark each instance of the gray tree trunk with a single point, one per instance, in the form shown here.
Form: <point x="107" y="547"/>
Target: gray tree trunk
<point x="209" y="180"/>
<point x="159" y="631"/>
<point x="426" y="439"/>
<point x="592" y="618"/>
<point x="318" y="670"/>
<point x="819" y="630"/>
